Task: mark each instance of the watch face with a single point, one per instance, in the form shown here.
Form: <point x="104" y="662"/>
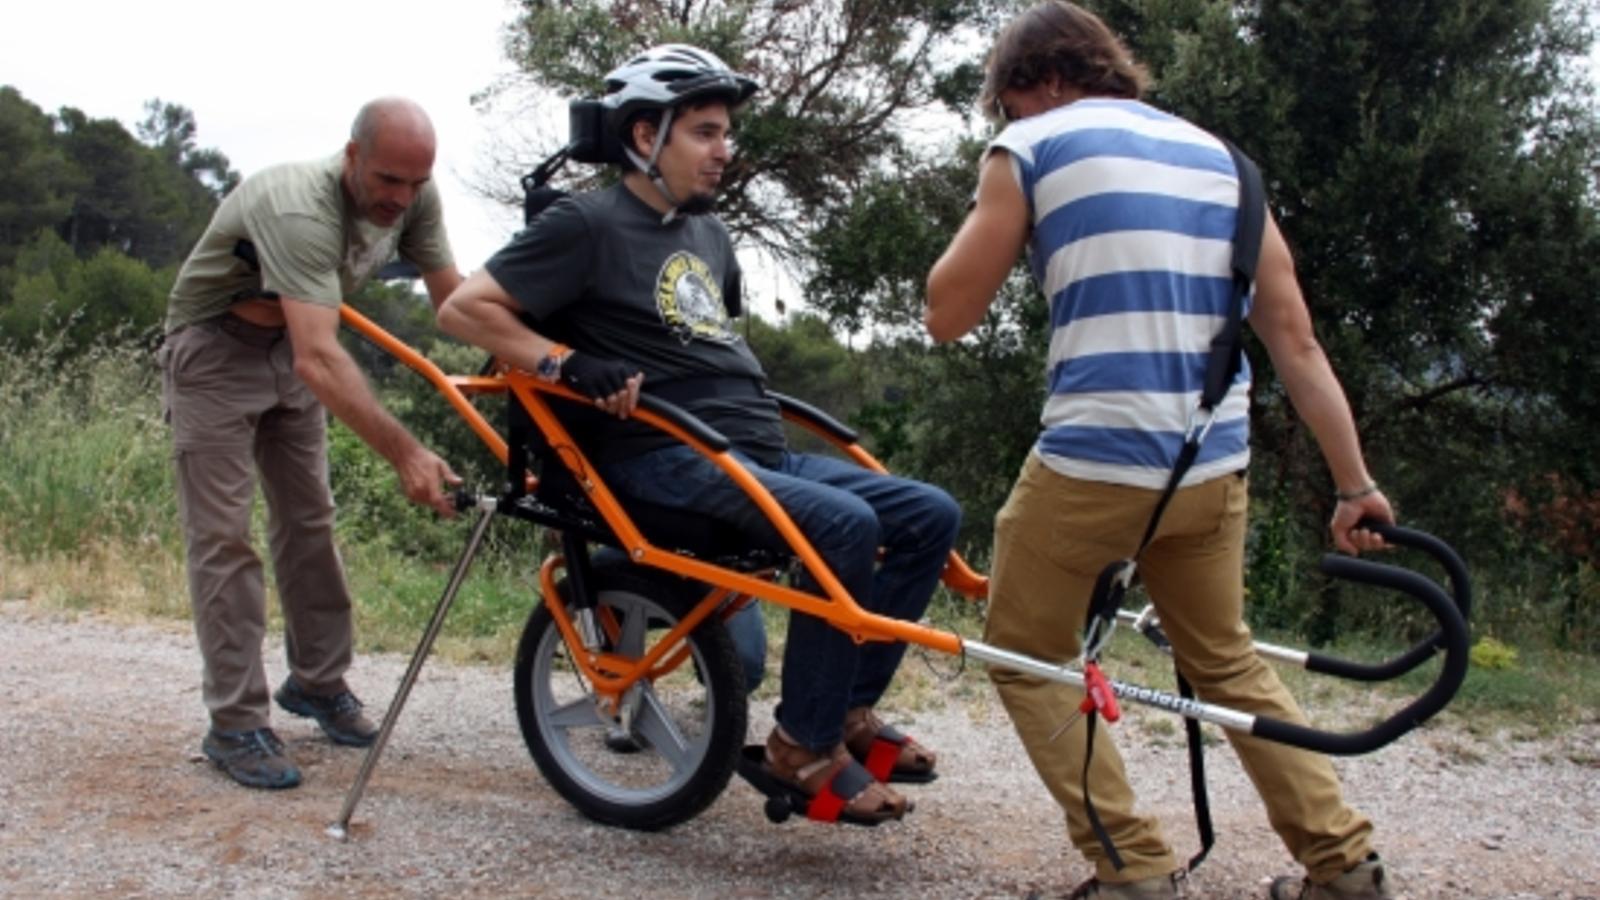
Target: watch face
<point x="549" y="367"/>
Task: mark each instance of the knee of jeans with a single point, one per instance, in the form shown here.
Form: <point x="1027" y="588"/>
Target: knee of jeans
<point x="852" y="524"/>
<point x="943" y="517"/>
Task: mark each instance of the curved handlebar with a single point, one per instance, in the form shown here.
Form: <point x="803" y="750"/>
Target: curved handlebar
<point x="1352" y="569"/>
<point x="1451" y="637"/>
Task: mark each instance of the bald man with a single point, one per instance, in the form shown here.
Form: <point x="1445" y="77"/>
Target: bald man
<point x="250" y="363"/>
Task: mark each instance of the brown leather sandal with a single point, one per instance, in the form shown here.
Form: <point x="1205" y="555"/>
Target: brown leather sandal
<point x="887" y="753"/>
<point x="838" y="787"/>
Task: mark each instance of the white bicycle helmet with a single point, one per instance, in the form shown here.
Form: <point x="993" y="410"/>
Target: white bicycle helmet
<point x="663" y="78"/>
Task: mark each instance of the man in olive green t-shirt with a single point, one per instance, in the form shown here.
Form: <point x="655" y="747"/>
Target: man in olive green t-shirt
<point x="251" y="361"/>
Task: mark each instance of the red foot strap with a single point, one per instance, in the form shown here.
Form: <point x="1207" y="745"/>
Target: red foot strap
<point x="885" y="752"/>
<point x="834" y="796"/>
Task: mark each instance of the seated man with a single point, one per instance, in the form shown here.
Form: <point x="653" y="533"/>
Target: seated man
<point x="639" y="279"/>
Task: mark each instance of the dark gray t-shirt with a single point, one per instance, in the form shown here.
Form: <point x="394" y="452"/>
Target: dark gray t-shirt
<point x="602" y="274"/>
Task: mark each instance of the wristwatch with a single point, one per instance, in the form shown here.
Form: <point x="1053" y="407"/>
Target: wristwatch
<point x="549" y="368"/>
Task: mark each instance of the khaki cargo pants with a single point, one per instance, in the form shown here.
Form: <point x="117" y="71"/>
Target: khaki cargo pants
<point x="237" y="408"/>
<point x="1052" y="538"/>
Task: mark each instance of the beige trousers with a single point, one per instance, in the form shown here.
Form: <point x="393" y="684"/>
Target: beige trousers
<point x="1052" y="538"/>
<point x="237" y="409"/>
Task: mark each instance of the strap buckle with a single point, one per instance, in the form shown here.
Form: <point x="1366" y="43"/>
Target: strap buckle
<point x="1110" y="590"/>
<point x="1200" y="421"/>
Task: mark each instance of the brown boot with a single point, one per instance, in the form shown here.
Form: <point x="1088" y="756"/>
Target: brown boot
<point x="1366" y="880"/>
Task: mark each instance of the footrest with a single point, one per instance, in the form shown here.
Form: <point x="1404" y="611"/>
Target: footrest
<point x="783" y="799"/>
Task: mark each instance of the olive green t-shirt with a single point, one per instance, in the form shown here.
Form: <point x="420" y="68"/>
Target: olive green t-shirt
<point x="308" y="240"/>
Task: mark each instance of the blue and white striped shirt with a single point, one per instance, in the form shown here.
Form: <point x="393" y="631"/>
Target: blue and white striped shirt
<point x="1133" y="215"/>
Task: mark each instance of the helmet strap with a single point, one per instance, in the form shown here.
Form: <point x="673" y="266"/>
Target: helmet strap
<point x="652" y="171"/>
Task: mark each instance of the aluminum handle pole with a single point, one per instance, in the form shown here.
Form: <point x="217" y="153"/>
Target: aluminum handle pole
<point x="1194" y="709"/>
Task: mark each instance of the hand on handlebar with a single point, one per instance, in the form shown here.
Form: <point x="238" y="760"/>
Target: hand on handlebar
<point x="423" y="477"/>
<point x="613" y="385"/>
<point x="1348" y="534"/>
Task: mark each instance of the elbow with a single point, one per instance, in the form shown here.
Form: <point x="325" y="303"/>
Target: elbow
<point x="940" y="330"/>
<point x="448" y="317"/>
<point x="313" y="369"/>
<point x="454" y="317"/>
<point x="939" y="315"/>
<point x="953" y="306"/>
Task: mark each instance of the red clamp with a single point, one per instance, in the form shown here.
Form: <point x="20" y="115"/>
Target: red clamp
<point x="1098" y="695"/>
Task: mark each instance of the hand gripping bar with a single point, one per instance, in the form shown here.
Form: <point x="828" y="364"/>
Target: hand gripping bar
<point x="1349" y="569"/>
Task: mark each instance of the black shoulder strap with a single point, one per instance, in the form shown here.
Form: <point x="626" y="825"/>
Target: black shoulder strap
<point x="1220" y="371"/>
<point x="1221" y="366"/>
<point x="1225" y="352"/>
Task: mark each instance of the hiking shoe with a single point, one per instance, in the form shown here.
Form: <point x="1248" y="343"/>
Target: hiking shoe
<point x="252" y="758"/>
<point x="1365" y="881"/>
<point x="1161" y="887"/>
<point x="339" y="715"/>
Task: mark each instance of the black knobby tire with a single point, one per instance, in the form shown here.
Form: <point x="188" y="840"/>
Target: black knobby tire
<point x="689" y="727"/>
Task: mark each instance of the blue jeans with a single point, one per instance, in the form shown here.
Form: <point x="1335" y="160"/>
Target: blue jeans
<point x="847" y="513"/>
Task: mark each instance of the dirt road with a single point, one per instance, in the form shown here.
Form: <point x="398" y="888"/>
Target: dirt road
<point x="106" y="794"/>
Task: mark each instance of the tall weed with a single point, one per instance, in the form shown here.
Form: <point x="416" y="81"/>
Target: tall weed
<point x="84" y="456"/>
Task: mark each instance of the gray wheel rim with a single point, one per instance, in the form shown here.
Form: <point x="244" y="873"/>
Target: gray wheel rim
<point x="570" y="725"/>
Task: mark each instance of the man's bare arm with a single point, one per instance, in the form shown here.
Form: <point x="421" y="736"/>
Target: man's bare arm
<point x="1280" y="318"/>
<point x="963" y="283"/>
<point x="336" y="380"/>
<point x="483" y="314"/>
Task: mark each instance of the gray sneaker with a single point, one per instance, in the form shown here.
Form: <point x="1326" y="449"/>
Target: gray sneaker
<point x="1365" y="881"/>
<point x="339" y="715"/>
<point x="252" y="758"/>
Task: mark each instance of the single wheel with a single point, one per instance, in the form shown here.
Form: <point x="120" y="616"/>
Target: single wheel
<point x="683" y="728"/>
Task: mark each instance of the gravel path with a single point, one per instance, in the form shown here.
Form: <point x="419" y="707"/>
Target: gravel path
<point x="106" y="794"/>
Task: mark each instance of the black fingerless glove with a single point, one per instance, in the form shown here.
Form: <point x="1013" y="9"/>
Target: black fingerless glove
<point x="594" y="377"/>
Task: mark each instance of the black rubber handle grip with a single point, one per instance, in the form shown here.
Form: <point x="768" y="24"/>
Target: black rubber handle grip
<point x="681" y="418"/>
<point x="1337" y="566"/>
<point x="1452" y="637"/>
<point x="815" y="418"/>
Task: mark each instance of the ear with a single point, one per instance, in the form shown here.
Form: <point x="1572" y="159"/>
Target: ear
<point x="644" y="136"/>
<point x="352" y="152"/>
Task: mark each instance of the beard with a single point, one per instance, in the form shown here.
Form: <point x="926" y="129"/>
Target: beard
<point x="697" y="204"/>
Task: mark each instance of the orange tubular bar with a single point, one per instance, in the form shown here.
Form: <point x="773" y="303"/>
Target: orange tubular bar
<point x="609" y="673"/>
<point x="838" y="608"/>
<point x="958" y="576"/>
<point x="451" y="386"/>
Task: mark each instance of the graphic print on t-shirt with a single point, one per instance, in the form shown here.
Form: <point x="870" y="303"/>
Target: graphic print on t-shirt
<point x="690" y="300"/>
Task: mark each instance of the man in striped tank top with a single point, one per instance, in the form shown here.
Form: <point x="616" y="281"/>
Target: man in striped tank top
<point x="1127" y="215"/>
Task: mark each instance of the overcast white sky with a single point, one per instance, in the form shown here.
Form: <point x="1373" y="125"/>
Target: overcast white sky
<point x="274" y="82"/>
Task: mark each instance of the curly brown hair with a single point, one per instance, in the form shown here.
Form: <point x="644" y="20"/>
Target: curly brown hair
<point x="1064" y="40"/>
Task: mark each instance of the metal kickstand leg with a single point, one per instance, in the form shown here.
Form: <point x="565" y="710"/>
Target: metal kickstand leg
<point x="486" y="505"/>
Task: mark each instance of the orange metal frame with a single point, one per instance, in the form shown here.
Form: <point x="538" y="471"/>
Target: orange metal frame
<point x="609" y="673"/>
